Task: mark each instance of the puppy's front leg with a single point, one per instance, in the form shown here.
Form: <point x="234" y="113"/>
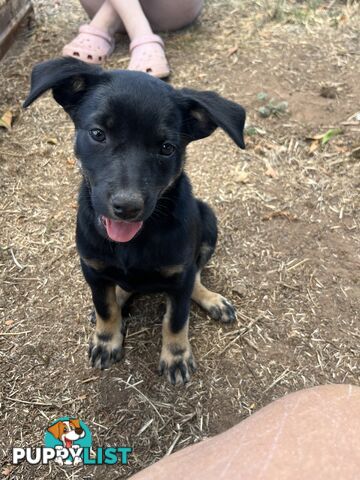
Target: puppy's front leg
<point x="105" y="347"/>
<point x="176" y="360"/>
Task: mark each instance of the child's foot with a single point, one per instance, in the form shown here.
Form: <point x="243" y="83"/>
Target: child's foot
<point x="148" y="55"/>
<point x="92" y="45"/>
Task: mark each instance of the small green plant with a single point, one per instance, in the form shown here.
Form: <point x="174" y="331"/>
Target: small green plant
<point x="329" y="135"/>
<point x="272" y="107"/>
<point x="251" y="131"/>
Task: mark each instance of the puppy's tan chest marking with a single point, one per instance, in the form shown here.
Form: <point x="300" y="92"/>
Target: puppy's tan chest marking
<point x="93" y="263"/>
<point x="167" y="271"/>
<point x="171" y="270"/>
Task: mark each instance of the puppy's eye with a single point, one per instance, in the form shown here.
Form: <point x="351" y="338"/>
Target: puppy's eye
<point x="167" y="149"/>
<point x="97" y="135"/>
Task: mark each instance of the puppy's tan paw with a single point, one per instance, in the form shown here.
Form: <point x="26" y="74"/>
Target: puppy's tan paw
<point x="221" y="309"/>
<point x="177" y="363"/>
<point x="216" y="305"/>
<point x="218" y="308"/>
<point x="105" y="349"/>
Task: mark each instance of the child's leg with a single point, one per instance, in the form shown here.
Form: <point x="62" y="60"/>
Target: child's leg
<point x="146" y="49"/>
<point x="165" y="15"/>
<point x="133" y="17"/>
<point x="107" y="19"/>
<point x="104" y="18"/>
<point x="141" y="17"/>
<point x="311" y="434"/>
<point x="91" y="7"/>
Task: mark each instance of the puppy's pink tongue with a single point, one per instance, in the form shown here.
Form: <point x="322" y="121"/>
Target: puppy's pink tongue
<point x="120" y="231"/>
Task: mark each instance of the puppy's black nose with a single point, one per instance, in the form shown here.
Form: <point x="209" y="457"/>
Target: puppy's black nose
<point x="127" y="206"/>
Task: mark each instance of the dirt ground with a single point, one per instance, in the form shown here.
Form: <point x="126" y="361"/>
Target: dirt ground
<point x="288" y="255"/>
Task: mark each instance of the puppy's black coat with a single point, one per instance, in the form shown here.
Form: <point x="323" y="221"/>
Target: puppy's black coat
<point x="139" y="228"/>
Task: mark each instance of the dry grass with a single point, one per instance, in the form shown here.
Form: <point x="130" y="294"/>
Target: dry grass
<point x="288" y="255"/>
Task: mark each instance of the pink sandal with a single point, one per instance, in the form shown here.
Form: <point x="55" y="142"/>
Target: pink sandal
<point x="91" y="45"/>
<point x="148" y="55"/>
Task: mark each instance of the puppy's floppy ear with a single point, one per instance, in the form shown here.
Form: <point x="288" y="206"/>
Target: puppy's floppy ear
<point x="205" y="111"/>
<point x="68" y="78"/>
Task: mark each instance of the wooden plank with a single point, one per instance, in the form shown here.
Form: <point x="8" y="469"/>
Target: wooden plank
<point x="12" y="13"/>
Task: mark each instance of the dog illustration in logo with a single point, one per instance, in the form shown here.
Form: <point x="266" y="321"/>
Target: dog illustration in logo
<point x="67" y="431"/>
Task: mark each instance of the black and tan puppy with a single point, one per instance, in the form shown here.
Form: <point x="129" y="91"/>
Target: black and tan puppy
<point x="139" y="228"/>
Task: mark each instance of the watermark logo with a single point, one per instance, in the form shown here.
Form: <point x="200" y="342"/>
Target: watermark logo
<point x="68" y="437"/>
<point x="68" y="441"/>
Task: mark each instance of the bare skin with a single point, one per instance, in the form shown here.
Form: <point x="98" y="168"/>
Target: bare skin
<point x="311" y="434"/>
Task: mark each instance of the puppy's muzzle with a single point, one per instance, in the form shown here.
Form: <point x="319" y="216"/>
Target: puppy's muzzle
<point x="127" y="206"/>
